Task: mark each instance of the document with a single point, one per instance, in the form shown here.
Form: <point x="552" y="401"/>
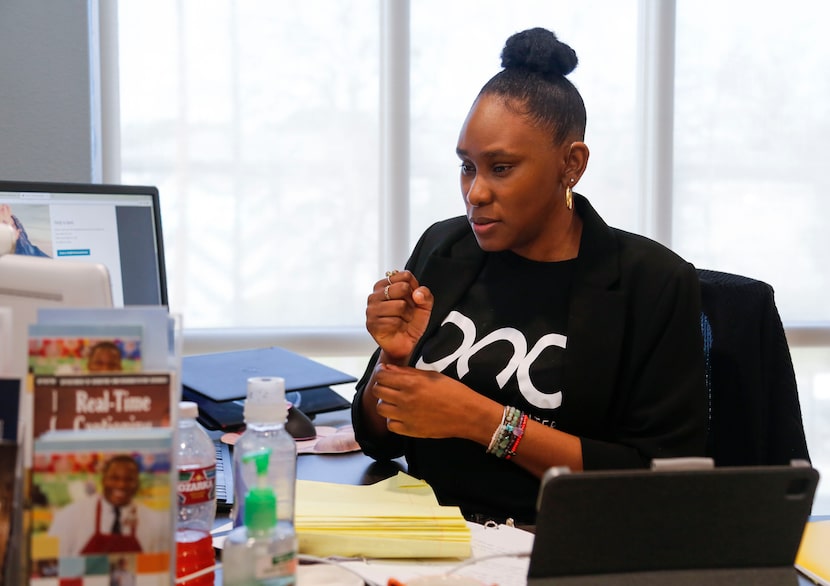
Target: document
<point x="813" y="558"/>
<point x="500" y="555"/>
<point x="396" y="529"/>
<point x="397" y="518"/>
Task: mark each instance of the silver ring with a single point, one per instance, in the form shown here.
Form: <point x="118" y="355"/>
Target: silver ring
<point x="386" y="292"/>
<point x="389" y="275"/>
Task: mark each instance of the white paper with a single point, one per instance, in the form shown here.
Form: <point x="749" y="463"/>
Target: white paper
<point x="512" y="545"/>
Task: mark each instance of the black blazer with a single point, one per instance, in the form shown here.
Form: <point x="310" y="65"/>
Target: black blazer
<point x="634" y="359"/>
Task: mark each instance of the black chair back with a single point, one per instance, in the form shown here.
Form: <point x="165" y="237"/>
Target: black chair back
<point x="755" y="413"/>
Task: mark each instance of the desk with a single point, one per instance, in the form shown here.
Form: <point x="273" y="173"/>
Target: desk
<point x="357" y="468"/>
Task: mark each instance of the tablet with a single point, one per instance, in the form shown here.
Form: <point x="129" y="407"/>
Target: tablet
<point x="710" y="526"/>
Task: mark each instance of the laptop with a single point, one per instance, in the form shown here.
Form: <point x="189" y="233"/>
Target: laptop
<point x="117" y="226"/>
<point x="717" y="526"/>
<point x="224" y="473"/>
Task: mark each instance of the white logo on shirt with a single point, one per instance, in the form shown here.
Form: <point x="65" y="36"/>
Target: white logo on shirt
<point x="519" y="363"/>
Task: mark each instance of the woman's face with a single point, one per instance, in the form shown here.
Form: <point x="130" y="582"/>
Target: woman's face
<point x="513" y="180"/>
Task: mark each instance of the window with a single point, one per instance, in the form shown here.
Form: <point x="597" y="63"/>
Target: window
<point x="750" y="121"/>
<point x="258" y="121"/>
<point x="749" y="190"/>
<point x="261" y="124"/>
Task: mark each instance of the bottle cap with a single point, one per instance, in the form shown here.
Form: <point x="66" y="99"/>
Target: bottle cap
<point x="265" y="402"/>
<point x="188" y="410"/>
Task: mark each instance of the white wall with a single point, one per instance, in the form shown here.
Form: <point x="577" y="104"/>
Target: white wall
<point x="46" y="109"/>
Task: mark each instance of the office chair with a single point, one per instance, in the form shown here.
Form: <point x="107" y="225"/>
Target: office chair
<point x="754" y="410"/>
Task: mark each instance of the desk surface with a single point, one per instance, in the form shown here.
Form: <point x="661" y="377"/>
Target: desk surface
<point x="351" y="468"/>
<point x="357" y="468"/>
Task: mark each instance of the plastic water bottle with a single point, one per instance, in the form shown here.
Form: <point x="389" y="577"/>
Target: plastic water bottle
<point x="265" y="412"/>
<point x="196" y="491"/>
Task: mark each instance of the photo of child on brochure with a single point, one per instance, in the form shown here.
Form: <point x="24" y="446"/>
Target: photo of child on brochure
<point x="50" y="355"/>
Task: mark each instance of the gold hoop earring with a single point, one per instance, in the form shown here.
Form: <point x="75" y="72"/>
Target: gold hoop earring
<point x="569" y="198"/>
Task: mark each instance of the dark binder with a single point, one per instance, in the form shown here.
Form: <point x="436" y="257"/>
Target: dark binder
<point x="228" y="415"/>
<point x="218" y="382"/>
<point x="739" y="525"/>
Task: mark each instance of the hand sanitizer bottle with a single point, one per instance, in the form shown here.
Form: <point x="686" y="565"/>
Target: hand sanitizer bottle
<point x="263" y="551"/>
<point x="265" y="413"/>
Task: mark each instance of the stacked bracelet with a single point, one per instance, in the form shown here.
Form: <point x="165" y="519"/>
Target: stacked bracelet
<point x="508" y="434"/>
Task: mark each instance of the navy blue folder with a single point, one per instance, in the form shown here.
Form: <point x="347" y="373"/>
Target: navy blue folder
<point x="218" y="382"/>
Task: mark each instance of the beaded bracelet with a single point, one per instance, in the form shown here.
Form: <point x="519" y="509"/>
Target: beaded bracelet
<point x="495" y="437"/>
<point x="508" y="434"/>
<point x="518" y="434"/>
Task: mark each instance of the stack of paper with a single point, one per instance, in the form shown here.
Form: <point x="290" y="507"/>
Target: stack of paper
<point x="813" y="557"/>
<point x="396" y="518"/>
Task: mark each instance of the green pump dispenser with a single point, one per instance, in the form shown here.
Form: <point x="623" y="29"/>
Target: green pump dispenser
<point x="260" y="502"/>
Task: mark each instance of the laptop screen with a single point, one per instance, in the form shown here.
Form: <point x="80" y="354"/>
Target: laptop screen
<point x="118" y="226"/>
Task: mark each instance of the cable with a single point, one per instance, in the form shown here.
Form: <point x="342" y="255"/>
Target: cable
<point x="338" y="563"/>
<point x="475" y="560"/>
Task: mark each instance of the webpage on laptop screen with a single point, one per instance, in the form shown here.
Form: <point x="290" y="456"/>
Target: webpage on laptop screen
<point x="116" y="231"/>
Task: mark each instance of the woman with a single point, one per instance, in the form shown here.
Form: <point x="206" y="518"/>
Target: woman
<point x="529" y="334"/>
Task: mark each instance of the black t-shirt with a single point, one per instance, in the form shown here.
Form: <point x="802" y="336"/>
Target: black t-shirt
<point x="506" y="339"/>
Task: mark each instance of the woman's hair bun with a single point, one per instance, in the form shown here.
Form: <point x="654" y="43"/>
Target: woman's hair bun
<point x="538" y="50"/>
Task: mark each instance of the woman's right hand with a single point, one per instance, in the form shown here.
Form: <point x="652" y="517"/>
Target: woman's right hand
<point x="397" y="314"/>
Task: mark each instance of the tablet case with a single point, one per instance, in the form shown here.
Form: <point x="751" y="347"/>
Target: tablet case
<point x="718" y="526"/>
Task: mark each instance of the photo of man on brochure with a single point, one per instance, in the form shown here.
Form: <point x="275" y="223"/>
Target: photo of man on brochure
<point x="99" y="504"/>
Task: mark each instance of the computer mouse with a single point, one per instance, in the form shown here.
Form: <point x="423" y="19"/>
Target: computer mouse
<point x="299" y="425"/>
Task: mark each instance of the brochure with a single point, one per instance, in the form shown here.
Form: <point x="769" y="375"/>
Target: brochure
<point x="77" y="349"/>
<point x="102" y="506"/>
<point x="101" y="401"/>
<point x="10" y="520"/>
<point x="160" y="329"/>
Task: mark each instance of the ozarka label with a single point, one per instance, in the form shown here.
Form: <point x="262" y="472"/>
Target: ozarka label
<point x="196" y="485"/>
